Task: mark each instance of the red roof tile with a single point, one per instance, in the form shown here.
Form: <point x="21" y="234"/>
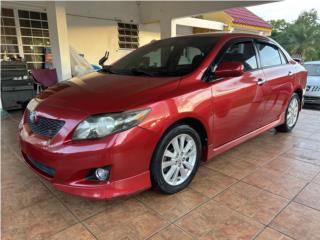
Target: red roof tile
<point x="244" y="16"/>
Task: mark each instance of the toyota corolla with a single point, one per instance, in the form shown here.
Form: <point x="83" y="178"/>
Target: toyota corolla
<point x="149" y="119"/>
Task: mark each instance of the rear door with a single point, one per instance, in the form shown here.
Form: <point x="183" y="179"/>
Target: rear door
<point x="278" y="76"/>
<point x="237" y="101"/>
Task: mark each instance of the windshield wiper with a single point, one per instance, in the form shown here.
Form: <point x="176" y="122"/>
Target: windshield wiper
<point x="138" y="71"/>
<point x="106" y="69"/>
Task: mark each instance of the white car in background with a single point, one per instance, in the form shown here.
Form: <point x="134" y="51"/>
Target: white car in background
<point x="312" y="94"/>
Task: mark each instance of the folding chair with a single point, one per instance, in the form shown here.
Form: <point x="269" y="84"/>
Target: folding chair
<point x="44" y="78"/>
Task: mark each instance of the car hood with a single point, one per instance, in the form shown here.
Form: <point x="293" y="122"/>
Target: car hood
<point x="101" y="92"/>
<point x="313" y="81"/>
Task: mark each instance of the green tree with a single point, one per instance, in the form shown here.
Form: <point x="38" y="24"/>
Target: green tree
<point x="302" y="37"/>
<point x="279" y="25"/>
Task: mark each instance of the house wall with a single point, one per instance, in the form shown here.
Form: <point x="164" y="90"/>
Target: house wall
<point x="93" y="37"/>
<point x="92" y="31"/>
<point x="251" y="29"/>
<point x="149" y="32"/>
<point x="184" y="30"/>
<point x="219" y="16"/>
<point x="92" y="26"/>
<point x="234" y="27"/>
<point x="112" y="10"/>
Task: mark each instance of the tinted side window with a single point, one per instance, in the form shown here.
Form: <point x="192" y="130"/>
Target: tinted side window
<point x="269" y="55"/>
<point x="283" y="58"/>
<point x="244" y="53"/>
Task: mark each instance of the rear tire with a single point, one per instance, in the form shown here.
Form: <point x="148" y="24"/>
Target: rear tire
<point x="176" y="159"/>
<point x="292" y="114"/>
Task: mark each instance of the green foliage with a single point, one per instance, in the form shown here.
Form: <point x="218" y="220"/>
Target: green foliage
<point x="302" y="37"/>
<point x="279" y="25"/>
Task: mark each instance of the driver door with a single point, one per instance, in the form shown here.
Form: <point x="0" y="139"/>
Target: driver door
<point x="238" y="101"/>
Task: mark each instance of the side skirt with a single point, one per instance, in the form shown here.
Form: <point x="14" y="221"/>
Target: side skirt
<point x="221" y="149"/>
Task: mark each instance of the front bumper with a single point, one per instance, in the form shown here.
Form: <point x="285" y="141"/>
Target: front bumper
<point x="311" y="100"/>
<point x="127" y="153"/>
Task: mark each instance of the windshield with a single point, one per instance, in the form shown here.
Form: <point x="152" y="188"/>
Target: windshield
<point x="313" y="69"/>
<point x="168" y="57"/>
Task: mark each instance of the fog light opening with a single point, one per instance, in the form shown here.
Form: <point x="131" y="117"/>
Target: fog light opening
<point x="101" y="174"/>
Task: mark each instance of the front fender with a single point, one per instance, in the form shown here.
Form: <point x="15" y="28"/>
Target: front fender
<point x="196" y="105"/>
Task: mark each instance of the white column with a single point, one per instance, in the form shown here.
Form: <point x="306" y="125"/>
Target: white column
<point x="168" y="28"/>
<point x="58" y="32"/>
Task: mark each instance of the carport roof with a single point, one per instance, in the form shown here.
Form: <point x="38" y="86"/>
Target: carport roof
<point x="151" y="11"/>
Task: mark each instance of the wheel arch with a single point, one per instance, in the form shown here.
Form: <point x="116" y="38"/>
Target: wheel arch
<point x="198" y="125"/>
<point x="299" y="92"/>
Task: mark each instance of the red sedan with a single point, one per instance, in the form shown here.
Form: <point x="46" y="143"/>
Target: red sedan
<point x="154" y="115"/>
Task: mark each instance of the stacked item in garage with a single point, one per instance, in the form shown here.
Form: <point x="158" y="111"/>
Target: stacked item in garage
<point x="17" y="88"/>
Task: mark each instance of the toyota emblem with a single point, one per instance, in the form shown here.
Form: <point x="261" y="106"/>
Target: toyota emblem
<point x="33" y="117"/>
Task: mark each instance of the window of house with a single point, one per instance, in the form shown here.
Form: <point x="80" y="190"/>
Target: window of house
<point x="244" y="53"/>
<point x="128" y="35"/>
<point x="27" y="36"/>
<point x="269" y="55"/>
<point x="9" y="39"/>
<point x="35" y="36"/>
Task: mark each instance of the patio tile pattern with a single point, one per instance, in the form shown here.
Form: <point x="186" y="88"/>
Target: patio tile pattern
<point x="265" y="189"/>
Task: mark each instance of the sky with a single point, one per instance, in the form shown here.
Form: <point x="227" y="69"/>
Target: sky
<point x="287" y="9"/>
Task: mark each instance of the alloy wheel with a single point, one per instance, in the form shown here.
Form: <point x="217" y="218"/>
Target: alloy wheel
<point x="179" y="159"/>
<point x="292" y="113"/>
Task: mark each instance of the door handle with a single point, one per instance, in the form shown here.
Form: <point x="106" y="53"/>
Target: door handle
<point x="289" y="73"/>
<point x="261" y="81"/>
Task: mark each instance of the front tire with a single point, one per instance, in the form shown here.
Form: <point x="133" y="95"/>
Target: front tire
<point x="292" y="114"/>
<point x="176" y="159"/>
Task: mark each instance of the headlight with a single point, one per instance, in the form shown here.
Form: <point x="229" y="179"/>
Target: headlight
<point x="104" y="124"/>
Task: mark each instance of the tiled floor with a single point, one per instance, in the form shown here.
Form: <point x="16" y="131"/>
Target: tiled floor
<point x="265" y="189"/>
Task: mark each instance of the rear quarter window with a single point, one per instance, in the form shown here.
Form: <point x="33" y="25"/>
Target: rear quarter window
<point x="269" y="55"/>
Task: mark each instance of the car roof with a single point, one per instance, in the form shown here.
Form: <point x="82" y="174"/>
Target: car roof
<point x="225" y="34"/>
<point x="312" y="62"/>
<point x="229" y="36"/>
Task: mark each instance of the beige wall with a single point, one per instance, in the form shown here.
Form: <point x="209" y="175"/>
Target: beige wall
<point x="93" y="37"/>
<point x="114" y="10"/>
<point x="149" y="32"/>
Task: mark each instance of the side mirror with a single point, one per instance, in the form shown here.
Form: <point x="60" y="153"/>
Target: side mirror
<point x="104" y="58"/>
<point x="229" y="69"/>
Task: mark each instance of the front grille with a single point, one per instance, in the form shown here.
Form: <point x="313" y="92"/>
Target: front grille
<point x="46" y="127"/>
<point x="307" y="98"/>
<point x="313" y="88"/>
